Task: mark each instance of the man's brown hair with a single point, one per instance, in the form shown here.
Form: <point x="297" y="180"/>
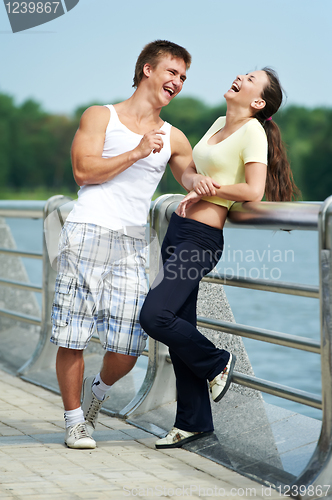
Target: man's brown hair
<point x="154" y="51"/>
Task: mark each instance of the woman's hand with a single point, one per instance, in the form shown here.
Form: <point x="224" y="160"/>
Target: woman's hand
<point x="187" y="201"/>
<point x="205" y="186"/>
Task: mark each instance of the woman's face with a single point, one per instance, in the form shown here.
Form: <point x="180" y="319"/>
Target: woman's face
<point x="247" y="89"/>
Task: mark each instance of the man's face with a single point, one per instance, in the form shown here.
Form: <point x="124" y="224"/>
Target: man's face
<point x="167" y="78"/>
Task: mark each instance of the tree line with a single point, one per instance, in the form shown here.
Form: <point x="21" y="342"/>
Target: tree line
<point x="35" y="145"/>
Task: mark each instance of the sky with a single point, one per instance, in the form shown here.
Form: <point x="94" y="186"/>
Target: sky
<point x="88" y="55"/>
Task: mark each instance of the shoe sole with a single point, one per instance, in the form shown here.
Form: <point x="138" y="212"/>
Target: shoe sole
<point x="84" y="447"/>
<point x="179" y="444"/>
<point x="229" y="380"/>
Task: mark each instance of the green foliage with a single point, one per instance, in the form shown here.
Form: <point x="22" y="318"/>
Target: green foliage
<point x="35" y="145"/>
<point x="307" y="136"/>
<point x="317" y="164"/>
<point x="7" y="121"/>
<point x="38" y="193"/>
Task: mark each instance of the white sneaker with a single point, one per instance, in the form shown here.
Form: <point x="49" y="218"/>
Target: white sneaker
<point x="90" y="404"/>
<point x="220" y="384"/>
<point x="177" y="438"/>
<point x="77" y="436"/>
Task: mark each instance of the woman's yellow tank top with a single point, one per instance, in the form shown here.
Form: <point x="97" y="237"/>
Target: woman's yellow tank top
<point x="225" y="162"/>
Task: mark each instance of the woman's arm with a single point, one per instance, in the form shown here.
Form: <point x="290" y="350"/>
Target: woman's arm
<point x="251" y="190"/>
<point x="202" y="184"/>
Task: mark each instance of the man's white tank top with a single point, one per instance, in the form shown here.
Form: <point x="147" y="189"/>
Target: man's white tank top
<point x="125" y="199"/>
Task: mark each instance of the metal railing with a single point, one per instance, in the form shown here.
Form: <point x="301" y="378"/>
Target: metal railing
<point x="289" y="216"/>
<point x="281" y="216"/>
<point x="27" y="210"/>
<point x="276" y="216"/>
<point x="44" y="354"/>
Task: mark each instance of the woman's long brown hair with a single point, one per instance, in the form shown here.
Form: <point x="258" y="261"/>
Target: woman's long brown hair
<point x="280" y="185"/>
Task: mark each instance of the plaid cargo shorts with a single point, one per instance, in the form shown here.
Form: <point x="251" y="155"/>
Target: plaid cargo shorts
<point x="100" y="287"/>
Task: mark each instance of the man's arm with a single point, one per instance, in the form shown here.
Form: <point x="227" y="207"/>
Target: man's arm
<point x="181" y="154"/>
<point x="88" y="165"/>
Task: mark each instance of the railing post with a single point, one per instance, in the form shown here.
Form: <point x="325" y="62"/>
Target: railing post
<point x="317" y="476"/>
<point x="44" y="355"/>
<point x="158" y="387"/>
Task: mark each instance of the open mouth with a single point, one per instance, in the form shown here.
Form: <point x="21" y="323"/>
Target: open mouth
<point x="235" y="87"/>
<point x="169" y="90"/>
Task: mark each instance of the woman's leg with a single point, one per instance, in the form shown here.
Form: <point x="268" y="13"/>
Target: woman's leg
<point x="193" y="409"/>
<point x="160" y="313"/>
<point x="180" y="282"/>
<point x="169" y="316"/>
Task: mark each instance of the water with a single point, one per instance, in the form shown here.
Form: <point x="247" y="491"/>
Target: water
<point x="291" y="257"/>
<point x="28" y="237"/>
<point x="285" y="256"/>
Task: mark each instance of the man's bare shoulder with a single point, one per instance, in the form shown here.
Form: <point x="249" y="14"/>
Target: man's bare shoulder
<point x="179" y="141"/>
<point x="95" y="118"/>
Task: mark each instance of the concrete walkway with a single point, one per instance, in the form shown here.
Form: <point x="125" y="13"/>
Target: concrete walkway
<point x="35" y="463"/>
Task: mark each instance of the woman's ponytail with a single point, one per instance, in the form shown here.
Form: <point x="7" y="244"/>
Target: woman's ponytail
<point x="280" y="185"/>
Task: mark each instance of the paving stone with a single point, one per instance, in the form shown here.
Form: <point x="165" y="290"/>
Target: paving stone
<point x="35" y="464"/>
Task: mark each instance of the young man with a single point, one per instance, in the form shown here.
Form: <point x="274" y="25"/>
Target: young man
<point x="119" y="154"/>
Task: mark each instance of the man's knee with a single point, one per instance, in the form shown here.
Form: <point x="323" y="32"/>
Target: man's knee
<point x="115" y="358"/>
<point x="66" y="352"/>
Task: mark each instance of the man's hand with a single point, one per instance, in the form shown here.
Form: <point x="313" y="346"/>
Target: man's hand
<point x="186" y="202"/>
<point x="205" y="186"/>
<point x="150" y="142"/>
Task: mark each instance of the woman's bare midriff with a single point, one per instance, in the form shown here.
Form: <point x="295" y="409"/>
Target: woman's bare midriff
<point x="208" y="213"/>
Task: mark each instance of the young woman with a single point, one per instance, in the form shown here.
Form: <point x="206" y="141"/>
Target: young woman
<point x="238" y="159"/>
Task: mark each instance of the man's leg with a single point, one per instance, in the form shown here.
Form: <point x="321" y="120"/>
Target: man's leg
<point x="121" y="295"/>
<point x="115" y="366"/>
<point x="82" y="253"/>
<point x="70" y="369"/>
